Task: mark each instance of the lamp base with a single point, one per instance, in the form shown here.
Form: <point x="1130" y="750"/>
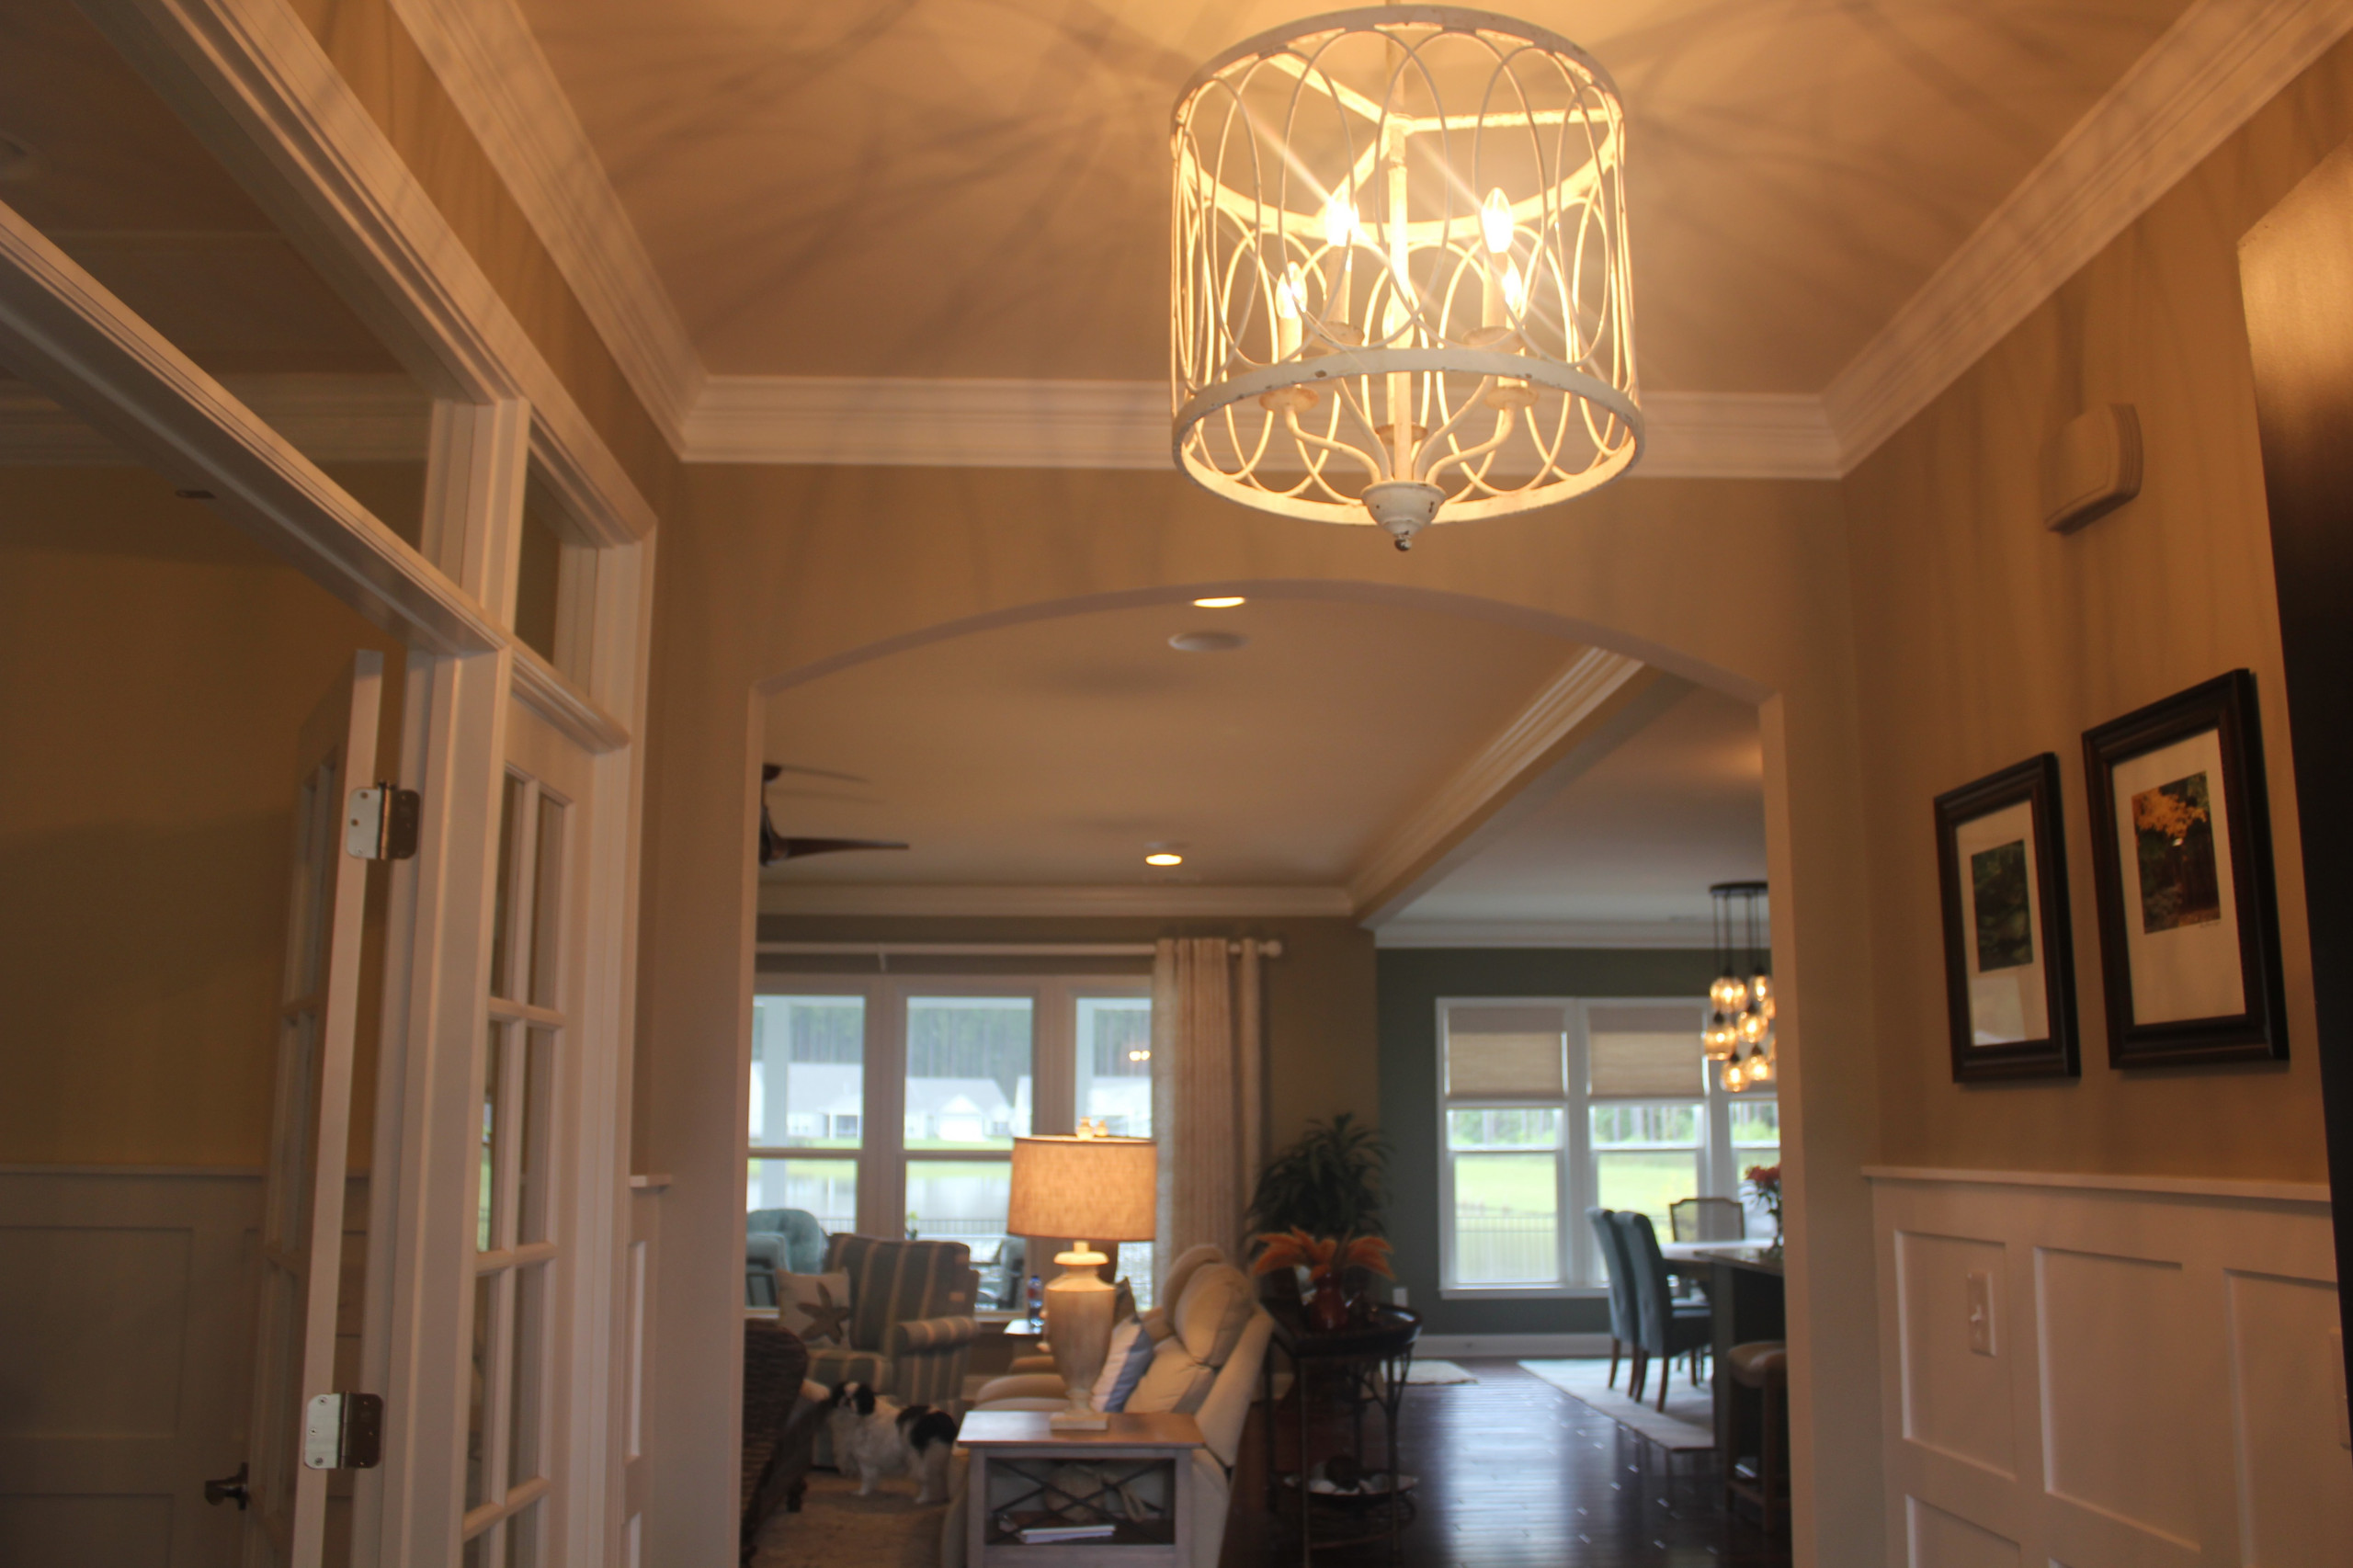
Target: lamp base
<point x="1078" y="1327"/>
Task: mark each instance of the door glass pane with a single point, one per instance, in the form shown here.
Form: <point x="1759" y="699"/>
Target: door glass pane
<point x="968" y="1073"/>
<point x="808" y="1073"/>
<point x="523" y="1536"/>
<point x="477" y="1385"/>
<point x="485" y="1205"/>
<point x="1507" y="1218"/>
<point x="547" y="923"/>
<point x="827" y="1189"/>
<point x="503" y="911"/>
<point x="534" y="1208"/>
<point x="959" y="1200"/>
<point x="1115" y="1064"/>
<point x="526" y="1374"/>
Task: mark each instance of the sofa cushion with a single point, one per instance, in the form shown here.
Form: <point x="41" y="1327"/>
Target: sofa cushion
<point x="1176" y="1382"/>
<point x="1209" y="1315"/>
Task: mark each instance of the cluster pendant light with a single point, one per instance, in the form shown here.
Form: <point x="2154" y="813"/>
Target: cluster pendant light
<point x="1400" y="272"/>
<point x="1740" y="1037"/>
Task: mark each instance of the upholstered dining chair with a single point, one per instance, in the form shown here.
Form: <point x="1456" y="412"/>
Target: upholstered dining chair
<point x="1625" y="1325"/>
<point x="1707" y="1220"/>
<point x="1668" y="1328"/>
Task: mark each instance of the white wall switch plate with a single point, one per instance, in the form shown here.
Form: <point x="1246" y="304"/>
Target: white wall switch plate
<point x="1981" y="1310"/>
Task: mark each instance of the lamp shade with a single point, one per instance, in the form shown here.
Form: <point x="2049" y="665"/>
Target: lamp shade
<point x="1100" y="1189"/>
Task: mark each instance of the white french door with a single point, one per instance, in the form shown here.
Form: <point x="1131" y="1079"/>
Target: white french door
<point x="302" y="1215"/>
<point x="525" y="1265"/>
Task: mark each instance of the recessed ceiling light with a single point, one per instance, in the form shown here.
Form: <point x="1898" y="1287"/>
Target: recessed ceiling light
<point x="1164" y="858"/>
<point x="1206" y="642"/>
<point x="1228" y="602"/>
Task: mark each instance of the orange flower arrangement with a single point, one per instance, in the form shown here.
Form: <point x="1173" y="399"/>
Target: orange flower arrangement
<point x="1322" y="1255"/>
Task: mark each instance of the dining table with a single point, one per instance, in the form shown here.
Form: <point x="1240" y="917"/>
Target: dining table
<point x="1747" y="1304"/>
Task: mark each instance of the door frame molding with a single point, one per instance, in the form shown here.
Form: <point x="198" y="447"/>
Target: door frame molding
<point x="256" y="88"/>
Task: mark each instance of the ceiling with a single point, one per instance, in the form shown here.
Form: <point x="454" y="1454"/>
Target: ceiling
<point x="1634" y="842"/>
<point x="1055" y="753"/>
<point x="915" y="189"/>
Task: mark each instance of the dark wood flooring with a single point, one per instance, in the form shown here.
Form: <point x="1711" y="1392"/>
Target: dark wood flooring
<point x="1515" y="1473"/>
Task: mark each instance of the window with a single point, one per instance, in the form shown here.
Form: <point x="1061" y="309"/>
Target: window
<point x="1552" y="1106"/>
<point x="890" y="1106"/>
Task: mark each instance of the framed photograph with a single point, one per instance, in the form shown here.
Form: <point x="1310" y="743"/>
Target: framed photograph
<point x="2010" y="965"/>
<point x="2182" y="862"/>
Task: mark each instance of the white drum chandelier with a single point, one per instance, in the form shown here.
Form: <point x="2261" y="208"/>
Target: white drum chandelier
<point x="1400" y="272"/>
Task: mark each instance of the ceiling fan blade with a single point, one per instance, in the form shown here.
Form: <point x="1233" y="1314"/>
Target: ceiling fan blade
<point x="793" y="848"/>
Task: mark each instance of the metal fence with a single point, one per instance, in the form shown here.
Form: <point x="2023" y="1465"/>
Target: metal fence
<point x="1505" y="1248"/>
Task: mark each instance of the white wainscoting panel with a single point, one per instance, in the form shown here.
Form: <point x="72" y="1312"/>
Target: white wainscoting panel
<point x="2111" y="1372"/>
<point x="126" y="1333"/>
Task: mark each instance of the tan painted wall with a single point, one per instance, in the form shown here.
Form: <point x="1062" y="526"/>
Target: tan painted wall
<point x="377" y="57"/>
<point x="155" y="669"/>
<point x="1986" y="640"/>
<point x="769" y="571"/>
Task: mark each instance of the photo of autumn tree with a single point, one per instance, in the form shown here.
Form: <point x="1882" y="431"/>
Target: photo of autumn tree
<point x="2173" y="832"/>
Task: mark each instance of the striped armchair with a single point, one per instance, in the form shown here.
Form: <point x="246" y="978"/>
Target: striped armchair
<point x="911" y="1325"/>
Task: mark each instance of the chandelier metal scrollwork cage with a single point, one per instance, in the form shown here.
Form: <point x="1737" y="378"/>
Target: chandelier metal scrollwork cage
<point x="1740" y="1038"/>
<point x="1400" y="271"/>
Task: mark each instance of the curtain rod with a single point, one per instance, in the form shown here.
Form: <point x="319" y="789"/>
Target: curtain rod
<point x="1273" y="949"/>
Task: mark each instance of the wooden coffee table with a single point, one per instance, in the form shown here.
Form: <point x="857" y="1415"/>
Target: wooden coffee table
<point x="1025" y="1473"/>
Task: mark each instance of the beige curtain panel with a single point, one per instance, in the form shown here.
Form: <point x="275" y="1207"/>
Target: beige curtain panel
<point x="1206" y="1114"/>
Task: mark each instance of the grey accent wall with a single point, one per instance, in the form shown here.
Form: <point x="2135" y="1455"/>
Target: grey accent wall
<point x="1411" y="980"/>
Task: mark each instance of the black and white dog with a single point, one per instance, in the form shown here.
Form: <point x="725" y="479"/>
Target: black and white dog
<point x="873" y="1438"/>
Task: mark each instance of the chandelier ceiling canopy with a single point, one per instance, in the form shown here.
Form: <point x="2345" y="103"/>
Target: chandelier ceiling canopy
<point x="1400" y="272"/>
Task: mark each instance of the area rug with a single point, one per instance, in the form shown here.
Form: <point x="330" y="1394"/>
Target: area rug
<point x="838" y="1528"/>
<point x="1438" y="1373"/>
<point x="1690" y="1418"/>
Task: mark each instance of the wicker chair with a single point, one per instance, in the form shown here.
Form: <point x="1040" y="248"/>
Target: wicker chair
<point x="780" y="1426"/>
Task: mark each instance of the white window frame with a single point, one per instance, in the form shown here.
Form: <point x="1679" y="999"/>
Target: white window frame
<point x="882" y="1166"/>
<point x="1574" y="1155"/>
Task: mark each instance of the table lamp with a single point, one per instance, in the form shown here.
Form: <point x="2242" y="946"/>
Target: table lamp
<point x="1102" y="1189"/>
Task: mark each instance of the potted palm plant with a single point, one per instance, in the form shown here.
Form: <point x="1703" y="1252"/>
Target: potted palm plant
<point x="1326" y="1187"/>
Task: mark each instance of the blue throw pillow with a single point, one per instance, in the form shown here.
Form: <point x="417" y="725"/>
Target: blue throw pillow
<point x="1123" y="1367"/>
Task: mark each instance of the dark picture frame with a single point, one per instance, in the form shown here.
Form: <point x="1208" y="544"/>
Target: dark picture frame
<point x="2009" y="950"/>
<point x="2192" y="904"/>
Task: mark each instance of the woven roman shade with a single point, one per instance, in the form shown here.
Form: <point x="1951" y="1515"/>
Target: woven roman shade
<point x="1506" y="1053"/>
<point x="1637" y="1050"/>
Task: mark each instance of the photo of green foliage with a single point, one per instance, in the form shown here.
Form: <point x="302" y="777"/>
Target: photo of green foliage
<point x="2005" y="923"/>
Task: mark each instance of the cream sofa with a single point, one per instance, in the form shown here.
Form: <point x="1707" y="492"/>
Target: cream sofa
<point x="1211" y="1345"/>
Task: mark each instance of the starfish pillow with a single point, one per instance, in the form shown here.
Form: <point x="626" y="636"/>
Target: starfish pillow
<point x="816" y="1307"/>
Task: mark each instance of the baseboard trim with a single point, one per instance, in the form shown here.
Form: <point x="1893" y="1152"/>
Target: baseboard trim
<point x="1512" y="1344"/>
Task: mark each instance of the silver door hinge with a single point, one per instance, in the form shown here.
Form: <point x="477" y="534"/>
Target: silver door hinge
<point x="381" y="824"/>
<point x="344" y="1431"/>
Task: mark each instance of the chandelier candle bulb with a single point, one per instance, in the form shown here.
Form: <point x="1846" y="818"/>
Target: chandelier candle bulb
<point x="1481" y="362"/>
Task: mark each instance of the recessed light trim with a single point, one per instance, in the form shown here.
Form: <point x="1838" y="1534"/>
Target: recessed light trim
<point x="1164" y="858"/>
<point x="1226" y="601"/>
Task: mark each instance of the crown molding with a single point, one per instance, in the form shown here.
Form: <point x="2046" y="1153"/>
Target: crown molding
<point x="1162" y="899"/>
<point x="1685" y="934"/>
<point x="2207" y="75"/>
<point x="490" y="63"/>
<point x="327" y="418"/>
<point x="1576" y="703"/>
<point x="892" y="422"/>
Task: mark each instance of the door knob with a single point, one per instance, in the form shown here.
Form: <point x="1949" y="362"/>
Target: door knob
<point x="229" y="1488"/>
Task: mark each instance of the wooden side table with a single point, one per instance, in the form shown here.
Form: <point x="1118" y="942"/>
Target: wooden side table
<point x="1025" y="1473"/>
